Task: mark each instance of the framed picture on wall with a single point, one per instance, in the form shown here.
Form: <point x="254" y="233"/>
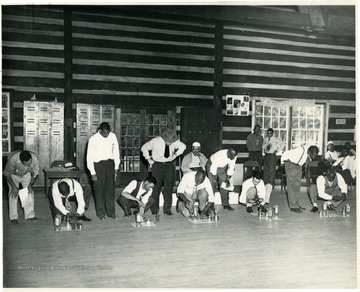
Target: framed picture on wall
<point x="7" y="130"/>
<point x="237" y="105"/>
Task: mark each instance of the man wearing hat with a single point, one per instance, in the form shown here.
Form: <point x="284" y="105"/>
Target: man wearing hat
<point x="65" y="191"/>
<point x="164" y="150"/>
<point x="194" y="160"/>
<point x="331" y="155"/>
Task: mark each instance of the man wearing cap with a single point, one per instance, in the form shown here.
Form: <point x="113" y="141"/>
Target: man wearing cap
<point x="219" y="168"/>
<point x="293" y="161"/>
<point x="254" y="192"/>
<point x="22" y="168"/>
<point x="63" y="192"/>
<point x="331" y="155"/>
<point x="195" y="187"/>
<point x="194" y="160"/>
<point x="272" y="145"/>
<point x="164" y="150"/>
<point x="331" y="187"/>
<point x="103" y="160"/>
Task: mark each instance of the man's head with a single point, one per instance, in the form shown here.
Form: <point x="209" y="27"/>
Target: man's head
<point x="330" y="174"/>
<point x="313" y="151"/>
<point x="25" y="157"/>
<point x="269" y="133"/>
<point x="104" y="129"/>
<point x="200" y="177"/>
<point x="345" y="151"/>
<point x="348" y="144"/>
<point x="169" y="136"/>
<point x="257" y="129"/>
<point x="231" y="153"/>
<point x="256" y="177"/>
<point x="330" y="146"/>
<point x="149" y="183"/>
<point x="196" y="148"/>
<point x="64" y="188"/>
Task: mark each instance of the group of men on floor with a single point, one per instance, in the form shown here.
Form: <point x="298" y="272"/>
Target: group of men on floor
<point x="201" y="178"/>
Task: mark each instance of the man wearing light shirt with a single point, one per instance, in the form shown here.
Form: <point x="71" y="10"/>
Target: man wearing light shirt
<point x="63" y="192"/>
<point x="195" y="187"/>
<point x="164" y="150"/>
<point x="194" y="160"/>
<point x="271" y="147"/>
<point x="137" y="194"/>
<point x="331" y="187"/>
<point x="293" y="160"/>
<point x="346" y="166"/>
<point x="103" y="160"/>
<point x="219" y="168"/>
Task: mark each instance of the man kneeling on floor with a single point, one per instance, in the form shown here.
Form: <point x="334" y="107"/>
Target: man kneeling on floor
<point x="65" y="191"/>
<point x="137" y="194"/>
<point x="331" y="187"/>
<point x="195" y="187"/>
<point x="254" y="192"/>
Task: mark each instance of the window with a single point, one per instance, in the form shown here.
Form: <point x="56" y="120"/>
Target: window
<point x="295" y="125"/>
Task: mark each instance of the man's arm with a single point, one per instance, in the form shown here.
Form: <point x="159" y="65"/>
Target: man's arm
<point x="320" y="184"/>
<point x="57" y="199"/>
<point x="185" y="163"/>
<point x="79" y="193"/>
<point x="90" y="157"/>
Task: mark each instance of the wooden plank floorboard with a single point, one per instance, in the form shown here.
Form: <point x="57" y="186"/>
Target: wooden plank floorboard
<point x="238" y="251"/>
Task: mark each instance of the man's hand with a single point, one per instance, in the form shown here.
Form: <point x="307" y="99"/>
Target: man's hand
<point x="141" y="204"/>
<point x="30" y="188"/>
<point x="14" y="192"/>
<point x="227" y="183"/>
<point x="151" y="162"/>
<point x="189" y="207"/>
<point x="93" y="177"/>
<point x="338" y="198"/>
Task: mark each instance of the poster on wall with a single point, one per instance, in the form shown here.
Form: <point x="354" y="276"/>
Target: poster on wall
<point x="237" y="105"/>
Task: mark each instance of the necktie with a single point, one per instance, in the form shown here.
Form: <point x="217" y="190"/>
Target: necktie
<point x="142" y="196"/>
<point x="167" y="151"/>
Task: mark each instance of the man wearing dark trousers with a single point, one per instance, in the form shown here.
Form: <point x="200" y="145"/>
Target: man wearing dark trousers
<point x="103" y="160"/>
<point x="164" y="150"/>
<point x="220" y="167"/>
<point x="137" y="194"/>
<point x="254" y="143"/>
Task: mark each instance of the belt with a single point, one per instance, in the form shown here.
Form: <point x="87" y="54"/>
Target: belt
<point x="255" y="151"/>
<point x="165" y="162"/>
<point x="270" y="154"/>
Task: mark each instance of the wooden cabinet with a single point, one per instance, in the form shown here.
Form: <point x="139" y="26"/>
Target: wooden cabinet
<point x="44" y="133"/>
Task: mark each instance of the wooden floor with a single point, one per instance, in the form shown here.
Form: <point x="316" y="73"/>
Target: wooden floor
<point x="239" y="251"/>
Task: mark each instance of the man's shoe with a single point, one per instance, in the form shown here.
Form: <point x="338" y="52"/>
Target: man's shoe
<point x="302" y="208"/>
<point x="331" y="207"/>
<point x="228" y="207"/>
<point x="314" y="209"/>
<point x="249" y="209"/>
<point x="177" y="206"/>
<point x="84" y="218"/>
<point x="168" y="213"/>
<point x="262" y="209"/>
<point x="127" y="215"/>
<point x="33" y="219"/>
<point x="136" y="211"/>
<point x="14" y="221"/>
<point x="296" y="210"/>
<point x="102" y="217"/>
<point x="154" y="212"/>
<point x="114" y="217"/>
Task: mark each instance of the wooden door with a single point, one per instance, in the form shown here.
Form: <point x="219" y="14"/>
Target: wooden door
<point x="201" y="125"/>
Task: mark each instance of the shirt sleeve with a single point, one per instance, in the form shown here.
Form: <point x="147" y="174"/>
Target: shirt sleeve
<point x="130" y="187"/>
<point x="180" y="147"/>
<point x="36" y="166"/>
<point x="341" y="183"/>
<point x="231" y="167"/>
<point x="146" y="148"/>
<point x="261" y="192"/>
<point x="245" y="187"/>
<point x="185" y="163"/>
<point x="182" y="185"/>
<point x="90" y="156"/>
<point x="57" y="198"/>
<point x="116" y="153"/>
<point x="79" y="193"/>
<point x="320" y="184"/>
<point x="10" y="166"/>
<point x="209" y="189"/>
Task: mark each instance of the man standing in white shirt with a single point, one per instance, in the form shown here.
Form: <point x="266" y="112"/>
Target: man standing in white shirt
<point x="63" y="192"/>
<point x="330" y="187"/>
<point x="271" y="147"/>
<point x="103" y="160"/>
<point x="219" y="168"/>
<point x="293" y="160"/>
<point x="194" y="160"/>
<point x="164" y="150"/>
<point x="346" y="166"/>
<point x="195" y="187"/>
<point x="137" y="194"/>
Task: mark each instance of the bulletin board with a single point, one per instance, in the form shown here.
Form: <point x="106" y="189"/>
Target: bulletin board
<point x="237" y="105"/>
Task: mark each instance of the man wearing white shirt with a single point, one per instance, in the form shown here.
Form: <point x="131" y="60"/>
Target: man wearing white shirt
<point x="63" y="192"/>
<point x="194" y="160"/>
<point x="346" y="166"/>
<point x="219" y="168"/>
<point x="195" y="187"/>
<point x="137" y="194"/>
<point x="293" y="160"/>
<point x="103" y="160"/>
<point x="164" y="150"/>
<point x="331" y="187"/>
<point x="254" y="192"/>
<point x="271" y="147"/>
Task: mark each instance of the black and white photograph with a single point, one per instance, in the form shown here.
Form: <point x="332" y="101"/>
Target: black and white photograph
<point x="179" y="145"/>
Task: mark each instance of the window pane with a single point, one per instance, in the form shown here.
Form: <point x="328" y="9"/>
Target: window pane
<point x="283" y="111"/>
<point x="295" y="123"/>
<point x="310" y="123"/>
<point x="267" y="111"/>
<point x="302" y="123"/>
<point x="317" y="124"/>
<point x="275" y="111"/>
<point x="267" y="123"/>
<point x="275" y="122"/>
<point x="258" y="110"/>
